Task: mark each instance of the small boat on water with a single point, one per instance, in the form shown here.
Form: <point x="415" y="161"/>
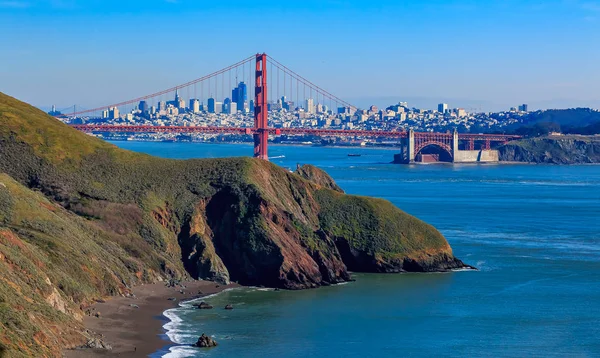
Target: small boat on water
<point x="354" y="155"/>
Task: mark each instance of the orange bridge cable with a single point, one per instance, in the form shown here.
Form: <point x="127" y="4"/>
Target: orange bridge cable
<point x="201" y="79"/>
<point x="310" y="84"/>
<point x="318" y="90"/>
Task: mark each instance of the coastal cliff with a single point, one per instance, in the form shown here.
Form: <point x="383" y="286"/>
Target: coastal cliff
<point x="569" y="149"/>
<point x="81" y="219"/>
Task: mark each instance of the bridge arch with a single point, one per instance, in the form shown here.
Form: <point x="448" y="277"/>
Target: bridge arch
<point x="433" y="151"/>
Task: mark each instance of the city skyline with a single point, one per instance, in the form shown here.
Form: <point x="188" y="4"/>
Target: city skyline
<point x="426" y="53"/>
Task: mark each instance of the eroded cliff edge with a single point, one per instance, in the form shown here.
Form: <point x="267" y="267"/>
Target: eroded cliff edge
<point x="81" y="219"/>
<point x="568" y="149"/>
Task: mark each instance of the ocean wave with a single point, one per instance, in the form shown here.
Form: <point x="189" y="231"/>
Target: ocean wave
<point x="183" y="351"/>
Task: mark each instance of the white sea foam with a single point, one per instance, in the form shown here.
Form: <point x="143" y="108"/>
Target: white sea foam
<point x="183" y="351"/>
<point x="175" y="328"/>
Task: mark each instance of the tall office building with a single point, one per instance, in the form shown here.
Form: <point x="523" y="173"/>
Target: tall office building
<point x="194" y="105"/>
<point x="211" y="105"/>
<point x="143" y="106"/>
<point x="442" y="107"/>
<point x="309" y="106"/>
<point x="523" y="107"/>
<point x="233" y="108"/>
<point x="162" y="105"/>
<point x="239" y="95"/>
<point x="227" y="106"/>
<point x="114" y="113"/>
<point x="218" y="107"/>
<point x="176" y="102"/>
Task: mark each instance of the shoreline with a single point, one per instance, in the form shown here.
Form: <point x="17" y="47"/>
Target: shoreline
<point x="133" y="326"/>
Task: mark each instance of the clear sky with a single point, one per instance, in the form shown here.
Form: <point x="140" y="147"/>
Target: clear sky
<point x="486" y="53"/>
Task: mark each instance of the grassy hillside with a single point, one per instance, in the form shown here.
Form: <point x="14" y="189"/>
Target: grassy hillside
<point x="82" y="219"/>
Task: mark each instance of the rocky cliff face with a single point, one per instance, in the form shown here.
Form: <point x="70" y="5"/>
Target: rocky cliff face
<point x="81" y="219"/>
<point x="553" y="150"/>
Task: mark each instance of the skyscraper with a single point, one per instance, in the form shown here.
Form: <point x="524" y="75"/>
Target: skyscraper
<point x="194" y="105"/>
<point x="176" y="97"/>
<point x="239" y="95"/>
<point x="309" y="106"/>
<point x="143" y="106"/>
<point x="227" y="106"/>
<point x="211" y="105"/>
<point x="114" y="113"/>
<point x="442" y="107"/>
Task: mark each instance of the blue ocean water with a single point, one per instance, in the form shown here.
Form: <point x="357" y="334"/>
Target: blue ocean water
<point x="532" y="230"/>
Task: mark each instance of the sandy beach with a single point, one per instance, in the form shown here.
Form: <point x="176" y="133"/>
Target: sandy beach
<point x="133" y="325"/>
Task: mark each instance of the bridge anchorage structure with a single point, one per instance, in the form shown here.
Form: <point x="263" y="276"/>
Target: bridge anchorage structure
<point x="415" y="146"/>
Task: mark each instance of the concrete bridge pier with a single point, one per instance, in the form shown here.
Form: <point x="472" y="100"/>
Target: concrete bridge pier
<point x="454" y="145"/>
<point x="407" y="149"/>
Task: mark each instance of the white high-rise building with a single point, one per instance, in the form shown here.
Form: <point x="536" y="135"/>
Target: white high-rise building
<point x="195" y="106"/>
<point x="310" y="106"/>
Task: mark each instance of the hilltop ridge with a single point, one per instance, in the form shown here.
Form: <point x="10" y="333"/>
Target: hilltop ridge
<point x="90" y="220"/>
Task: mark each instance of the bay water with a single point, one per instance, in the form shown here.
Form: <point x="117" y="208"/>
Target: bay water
<point x="533" y="231"/>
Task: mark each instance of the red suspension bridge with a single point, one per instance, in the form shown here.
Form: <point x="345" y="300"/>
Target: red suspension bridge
<point x="317" y="103"/>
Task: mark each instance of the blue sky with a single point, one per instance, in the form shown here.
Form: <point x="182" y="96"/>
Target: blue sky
<point x="488" y="53"/>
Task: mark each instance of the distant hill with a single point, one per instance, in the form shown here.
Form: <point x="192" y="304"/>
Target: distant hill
<point x="573" y="117"/>
<point x="81" y="219"/>
<point x="568" y="121"/>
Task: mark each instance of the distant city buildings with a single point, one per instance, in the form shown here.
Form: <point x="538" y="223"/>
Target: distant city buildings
<point x="238" y="111"/>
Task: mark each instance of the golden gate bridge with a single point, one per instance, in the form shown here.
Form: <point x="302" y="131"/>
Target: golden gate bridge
<point x="268" y="73"/>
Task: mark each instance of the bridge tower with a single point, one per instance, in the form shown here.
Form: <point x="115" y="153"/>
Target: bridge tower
<point x="261" y="137"/>
<point x="411" y="146"/>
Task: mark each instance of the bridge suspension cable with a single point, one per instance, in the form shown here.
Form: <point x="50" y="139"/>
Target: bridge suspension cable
<point x="309" y="84"/>
<point x="163" y="92"/>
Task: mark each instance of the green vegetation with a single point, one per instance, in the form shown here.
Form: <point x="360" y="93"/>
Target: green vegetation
<point x="583" y="121"/>
<point x="377" y="228"/>
<point x="81" y="219"/>
<point x="568" y="149"/>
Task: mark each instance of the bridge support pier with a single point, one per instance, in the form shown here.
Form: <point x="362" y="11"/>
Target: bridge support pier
<point x="407" y="147"/>
<point x="261" y="136"/>
<point x="454" y="145"/>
